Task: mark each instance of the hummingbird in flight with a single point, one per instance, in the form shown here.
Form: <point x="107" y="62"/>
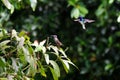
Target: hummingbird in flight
<point x="82" y="21"/>
<point x="56" y="40"/>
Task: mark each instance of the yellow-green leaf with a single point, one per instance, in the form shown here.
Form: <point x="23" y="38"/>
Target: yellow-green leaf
<point x="53" y="73"/>
<point x="55" y="67"/>
<point x="75" y="13"/>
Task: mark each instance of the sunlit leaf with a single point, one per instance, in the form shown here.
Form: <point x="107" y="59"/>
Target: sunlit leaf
<point x="118" y="19"/>
<point x="27" y="78"/>
<point x="63" y="53"/>
<point x="55" y="49"/>
<point x="108" y="66"/>
<point x="26" y="54"/>
<point x="42" y="42"/>
<point x="3" y="79"/>
<point x="33" y="67"/>
<point x="4" y="43"/>
<point x="2" y="62"/>
<point x="33" y="4"/>
<point x="53" y="73"/>
<point x="38" y="48"/>
<point x="14" y="64"/>
<point x="75" y="13"/>
<point x="111" y="1"/>
<point x="8" y="5"/>
<point x="46" y="58"/>
<point x="14" y="34"/>
<point x="21" y="43"/>
<point x="10" y="77"/>
<point x="55" y="67"/>
<point x="83" y="10"/>
<point x="72" y="2"/>
<point x="65" y="65"/>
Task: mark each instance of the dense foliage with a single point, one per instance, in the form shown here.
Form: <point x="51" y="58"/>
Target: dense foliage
<point x="95" y="50"/>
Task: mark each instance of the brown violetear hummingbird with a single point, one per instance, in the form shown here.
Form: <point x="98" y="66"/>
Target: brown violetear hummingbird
<point x="55" y="38"/>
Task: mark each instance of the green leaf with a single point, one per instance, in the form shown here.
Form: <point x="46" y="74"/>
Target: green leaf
<point x="33" y="67"/>
<point x="100" y="10"/>
<point x="33" y="4"/>
<point x="72" y="2"/>
<point x="108" y="66"/>
<point x="111" y="1"/>
<point x="14" y="34"/>
<point x="118" y="19"/>
<point x="53" y="73"/>
<point x="14" y="64"/>
<point x="117" y="33"/>
<point x="72" y="64"/>
<point x="55" y="67"/>
<point x="21" y="43"/>
<point x="63" y="53"/>
<point x="26" y="54"/>
<point x="8" y="5"/>
<point x="4" y="43"/>
<point x="46" y="58"/>
<point x="38" y="48"/>
<point x="83" y="11"/>
<point x="27" y="78"/>
<point x="55" y="49"/>
<point x="110" y="40"/>
<point x="3" y="79"/>
<point x="2" y="62"/>
<point x="42" y="42"/>
<point x="75" y="13"/>
<point x="65" y="65"/>
<point x="41" y="69"/>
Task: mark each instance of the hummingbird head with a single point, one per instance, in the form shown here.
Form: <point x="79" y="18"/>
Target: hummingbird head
<point x="80" y="18"/>
<point x="54" y="36"/>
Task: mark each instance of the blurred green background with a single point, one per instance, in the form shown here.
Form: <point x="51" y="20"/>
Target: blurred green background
<point x="96" y="50"/>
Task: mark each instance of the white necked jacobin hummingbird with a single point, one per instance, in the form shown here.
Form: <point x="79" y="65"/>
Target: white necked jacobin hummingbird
<point x="82" y="21"/>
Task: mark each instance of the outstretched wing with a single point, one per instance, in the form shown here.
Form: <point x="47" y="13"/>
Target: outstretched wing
<point x="88" y="21"/>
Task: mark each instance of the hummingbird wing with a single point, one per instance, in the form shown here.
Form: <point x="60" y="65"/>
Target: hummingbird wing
<point x="76" y="20"/>
<point x="88" y="21"/>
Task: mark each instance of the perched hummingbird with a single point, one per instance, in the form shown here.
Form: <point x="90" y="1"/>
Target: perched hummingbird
<point x="58" y="43"/>
<point x="82" y="21"/>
